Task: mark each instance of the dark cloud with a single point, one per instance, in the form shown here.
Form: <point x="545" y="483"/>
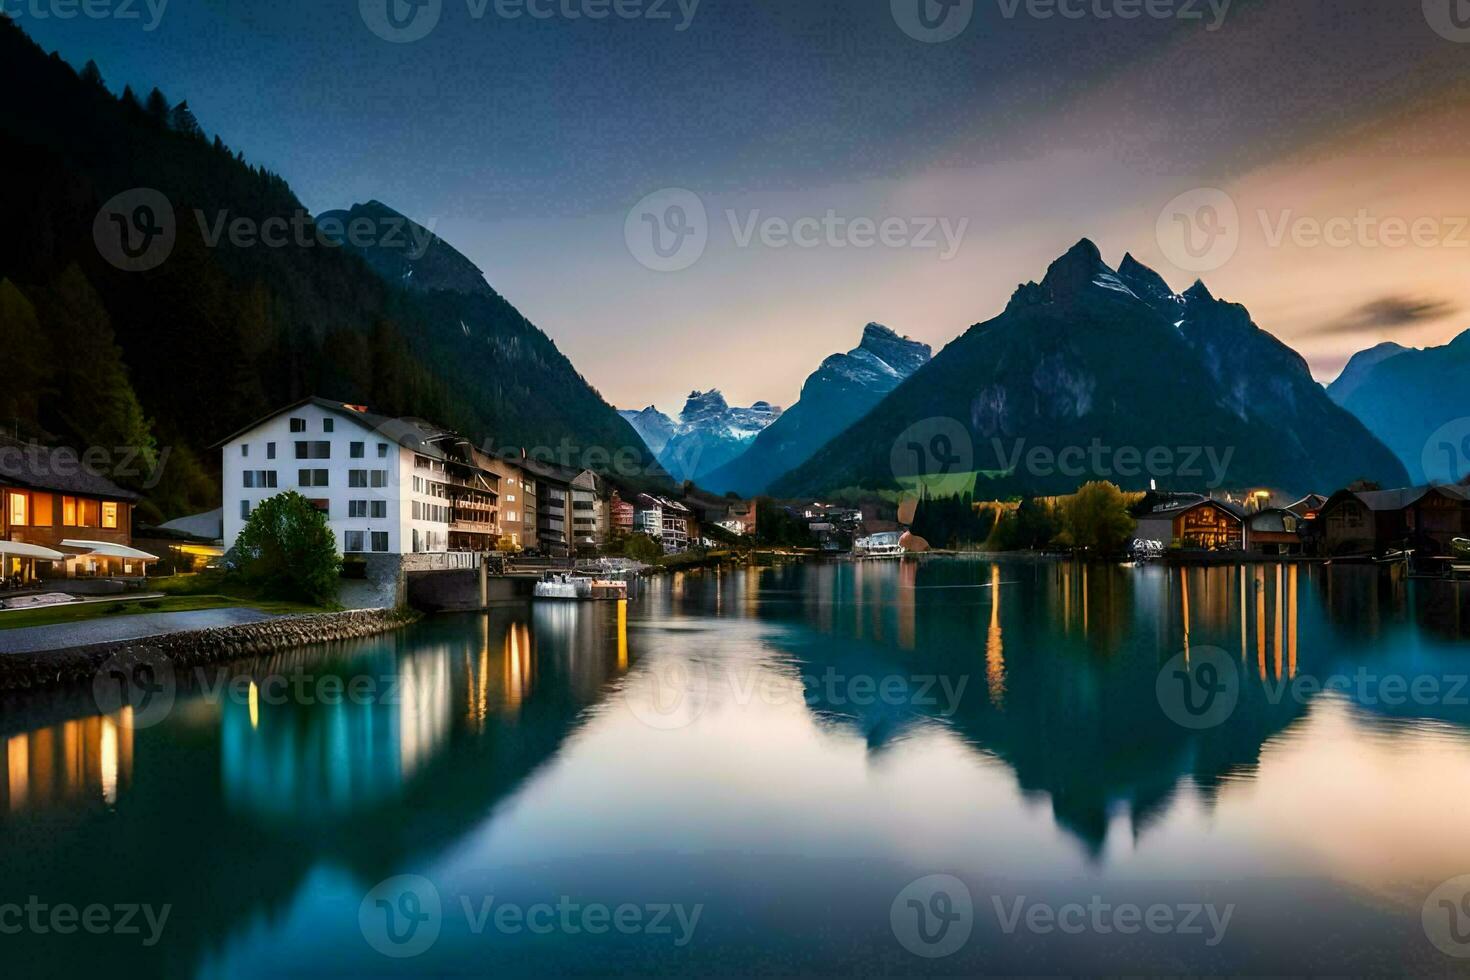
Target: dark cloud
<point x="1387" y="314"/>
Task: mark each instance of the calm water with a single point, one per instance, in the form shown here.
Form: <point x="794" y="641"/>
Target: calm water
<point x="758" y="772"/>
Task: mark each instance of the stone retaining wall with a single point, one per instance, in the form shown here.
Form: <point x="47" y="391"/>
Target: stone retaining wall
<point x="37" y="671"/>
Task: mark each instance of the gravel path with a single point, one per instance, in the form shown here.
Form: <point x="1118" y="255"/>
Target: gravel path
<point x="108" y="629"/>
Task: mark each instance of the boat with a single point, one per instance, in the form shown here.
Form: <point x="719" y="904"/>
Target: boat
<point x="579" y="588"/>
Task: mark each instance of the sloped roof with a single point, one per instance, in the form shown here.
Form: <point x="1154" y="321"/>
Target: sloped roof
<point x="414" y="434"/>
<point x="60" y="469"/>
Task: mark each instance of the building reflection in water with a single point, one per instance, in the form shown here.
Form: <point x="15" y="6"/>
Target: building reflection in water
<point x="1262" y="613"/>
<point x="995" y="661"/>
<point x="335" y="749"/>
<point x="73" y="762"/>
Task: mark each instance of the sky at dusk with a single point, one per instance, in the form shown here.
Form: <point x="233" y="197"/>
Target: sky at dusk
<point x="1314" y="153"/>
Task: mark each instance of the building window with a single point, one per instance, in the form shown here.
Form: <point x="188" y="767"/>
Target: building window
<point x="244" y="510"/>
<point x="380" y="509"/>
<point x="69" y="511"/>
<point x="380" y="541"/>
<point x="357" y="509"/>
<point x="325" y="506"/>
<point x="41" y="509"/>
<point x="352" y="542"/>
<point x="270" y="450"/>
<point x="382" y="450"/>
<point x="109" y="515"/>
<point x="19" y="510"/>
<point x="312" y="478"/>
<point x="357" y="478"/>
<point x="357" y="450"/>
<point x="329" y="425"/>
<point x="90" y="512"/>
<point x="298" y="425"/>
<point x="245" y="450"/>
<point x="315" y="449"/>
<point x="380" y="478"/>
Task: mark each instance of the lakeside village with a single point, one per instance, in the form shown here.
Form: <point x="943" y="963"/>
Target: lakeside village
<point x="402" y="496"/>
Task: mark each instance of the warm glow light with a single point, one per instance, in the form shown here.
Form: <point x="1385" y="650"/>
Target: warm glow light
<point x="995" y="661"/>
<point x="108" y="757"/>
<point x="17" y="756"/>
<point x="254" y="705"/>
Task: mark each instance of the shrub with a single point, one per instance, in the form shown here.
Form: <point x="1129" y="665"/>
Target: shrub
<point x="287" y="550"/>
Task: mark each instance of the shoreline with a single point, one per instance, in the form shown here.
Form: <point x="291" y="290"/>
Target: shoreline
<point x="23" y="673"/>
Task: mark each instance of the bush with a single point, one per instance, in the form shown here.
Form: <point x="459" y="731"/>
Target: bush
<point x="287" y="550"/>
<point x="640" y="547"/>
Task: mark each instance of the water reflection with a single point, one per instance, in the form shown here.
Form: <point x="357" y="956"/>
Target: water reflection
<point x="508" y="750"/>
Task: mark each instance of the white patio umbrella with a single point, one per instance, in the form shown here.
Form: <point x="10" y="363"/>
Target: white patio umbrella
<point x="34" y="552"/>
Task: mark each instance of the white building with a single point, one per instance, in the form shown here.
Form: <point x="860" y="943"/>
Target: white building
<point x="382" y="482"/>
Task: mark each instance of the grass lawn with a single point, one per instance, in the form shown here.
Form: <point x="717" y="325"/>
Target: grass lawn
<point x="184" y="593"/>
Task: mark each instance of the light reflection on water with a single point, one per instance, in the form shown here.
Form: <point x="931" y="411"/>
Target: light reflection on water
<point x="704" y="743"/>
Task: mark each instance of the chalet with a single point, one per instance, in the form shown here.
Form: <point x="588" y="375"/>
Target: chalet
<point x="1199" y="523"/>
<point x="60" y="518"/>
<point x="1426" y="519"/>
<point x="1274" y="531"/>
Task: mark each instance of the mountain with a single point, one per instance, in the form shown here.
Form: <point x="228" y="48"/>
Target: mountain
<point x="653" y="427"/>
<point x="1417" y="402"/>
<point x="482" y="345"/>
<point x="707" y="434"/>
<point x="1101" y="374"/>
<point x="837" y="394"/>
<point x="209" y="330"/>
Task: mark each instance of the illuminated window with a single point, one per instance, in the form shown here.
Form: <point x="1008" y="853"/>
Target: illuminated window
<point x="19" y="510"/>
<point x="90" y="512"/>
<point x="41" y="510"/>
<point x="109" y="515"/>
<point x="69" y="511"/>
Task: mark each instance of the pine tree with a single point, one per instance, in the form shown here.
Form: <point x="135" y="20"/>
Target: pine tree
<point x="92" y="75"/>
<point x="181" y="120"/>
<point x="157" y="107"/>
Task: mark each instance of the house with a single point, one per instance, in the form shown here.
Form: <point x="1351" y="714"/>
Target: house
<point x="589" y="511"/>
<point x="648" y="516"/>
<point x="1425" y="518"/>
<point x="620" y="514"/>
<point x="553" y="485"/>
<point x="679" y="526"/>
<point x="1308" y="507"/>
<point x="740" y="518"/>
<point x="517" y="500"/>
<point x="1274" y="531"/>
<point x="1196" y="523"/>
<point x="61" y="518"/>
<point x="386" y="485"/>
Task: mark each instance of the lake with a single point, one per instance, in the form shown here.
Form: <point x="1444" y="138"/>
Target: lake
<point x="947" y="766"/>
